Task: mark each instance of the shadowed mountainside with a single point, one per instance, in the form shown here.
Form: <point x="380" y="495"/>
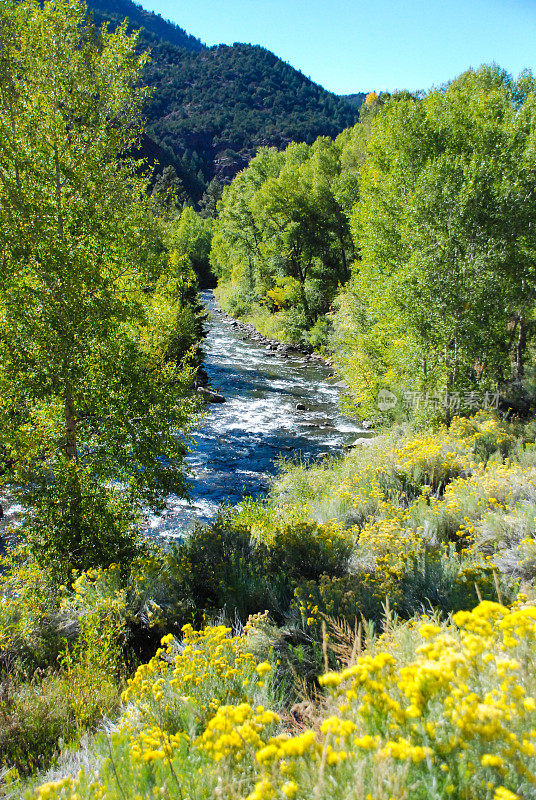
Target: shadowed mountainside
<point x="211" y="108"/>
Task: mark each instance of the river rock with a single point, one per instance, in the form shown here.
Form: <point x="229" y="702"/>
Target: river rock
<point x="300" y="407"/>
<point x="362" y="441"/>
<point x="210" y="396"/>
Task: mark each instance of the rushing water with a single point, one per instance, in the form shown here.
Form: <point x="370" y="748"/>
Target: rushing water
<point x="239" y="442"/>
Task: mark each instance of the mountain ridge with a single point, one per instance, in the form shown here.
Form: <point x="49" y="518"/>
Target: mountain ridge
<point x="212" y="107"/>
<point x="154" y="27"/>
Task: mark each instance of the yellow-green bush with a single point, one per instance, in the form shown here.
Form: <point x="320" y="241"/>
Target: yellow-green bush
<point x="53" y="707"/>
<point x="29" y="614"/>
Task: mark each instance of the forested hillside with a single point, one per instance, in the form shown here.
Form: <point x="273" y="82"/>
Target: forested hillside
<point x="153" y="27"/>
<point x="210" y="109"/>
<point x="217" y="107"/>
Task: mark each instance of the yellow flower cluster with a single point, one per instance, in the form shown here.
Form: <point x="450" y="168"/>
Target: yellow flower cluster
<point x="208" y="659"/>
<point x="493" y="487"/>
<point x="439" y="457"/>
<point x="234" y="729"/>
<point x="484" y="433"/>
<point x="54" y="789"/>
<point x="460" y="711"/>
<point x="154" y="744"/>
<point x="465" y="693"/>
<point x="390" y="541"/>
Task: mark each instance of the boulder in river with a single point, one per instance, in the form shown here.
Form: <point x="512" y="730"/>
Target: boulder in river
<point x="300" y="407"/>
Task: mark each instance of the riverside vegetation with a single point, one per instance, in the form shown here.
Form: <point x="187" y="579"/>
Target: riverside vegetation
<point x="368" y="629"/>
<point x="387" y="647"/>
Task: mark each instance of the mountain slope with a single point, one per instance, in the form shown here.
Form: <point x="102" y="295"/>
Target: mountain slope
<point x="355" y="100"/>
<point x="154" y="28"/>
<point x="211" y="108"/>
<point x="218" y="106"/>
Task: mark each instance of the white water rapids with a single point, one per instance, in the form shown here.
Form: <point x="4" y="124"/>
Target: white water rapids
<point x="239" y="442"/>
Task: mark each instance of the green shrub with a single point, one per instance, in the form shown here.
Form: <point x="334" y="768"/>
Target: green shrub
<point x="306" y="550"/>
<point x="225" y="569"/>
<point x="443" y="580"/>
<point x="33" y="632"/>
<point x="36" y="715"/>
<point x="319" y="335"/>
<point x="350" y="598"/>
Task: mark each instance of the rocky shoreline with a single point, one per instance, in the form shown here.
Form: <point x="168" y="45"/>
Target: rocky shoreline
<point x="281" y="349"/>
<point x="274" y="346"/>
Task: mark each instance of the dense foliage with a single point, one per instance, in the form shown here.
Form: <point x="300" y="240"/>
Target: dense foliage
<point x="153" y="28"/>
<point x="282" y="244"/>
<point x="441" y="301"/>
<point x="87" y="401"/>
<point x="427" y="205"/>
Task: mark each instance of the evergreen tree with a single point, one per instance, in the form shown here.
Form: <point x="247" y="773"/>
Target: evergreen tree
<point x="209" y="201"/>
<point x="168" y="189"/>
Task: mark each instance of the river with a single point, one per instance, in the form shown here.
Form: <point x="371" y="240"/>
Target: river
<point x="238" y="443"/>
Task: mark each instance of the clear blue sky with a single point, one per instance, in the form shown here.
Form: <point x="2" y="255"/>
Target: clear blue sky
<point x="358" y="45"/>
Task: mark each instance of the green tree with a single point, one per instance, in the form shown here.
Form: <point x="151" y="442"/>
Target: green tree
<point x="235" y="255"/>
<point x="209" y="202"/>
<point x="190" y="236"/>
<point x="282" y="238"/>
<point x="168" y="190"/>
<point x="446" y="281"/>
<point x="82" y="405"/>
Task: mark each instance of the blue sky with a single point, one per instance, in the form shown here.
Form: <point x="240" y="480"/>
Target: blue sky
<point x="358" y="45"/>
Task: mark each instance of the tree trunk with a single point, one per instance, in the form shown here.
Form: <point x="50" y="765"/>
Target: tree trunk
<point x="71" y="449"/>
<point x="520" y="351"/>
<point x="305" y="304"/>
<point x="250" y="276"/>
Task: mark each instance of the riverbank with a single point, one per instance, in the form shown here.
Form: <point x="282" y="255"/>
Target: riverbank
<point x="334" y="572"/>
<point x="274" y="345"/>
